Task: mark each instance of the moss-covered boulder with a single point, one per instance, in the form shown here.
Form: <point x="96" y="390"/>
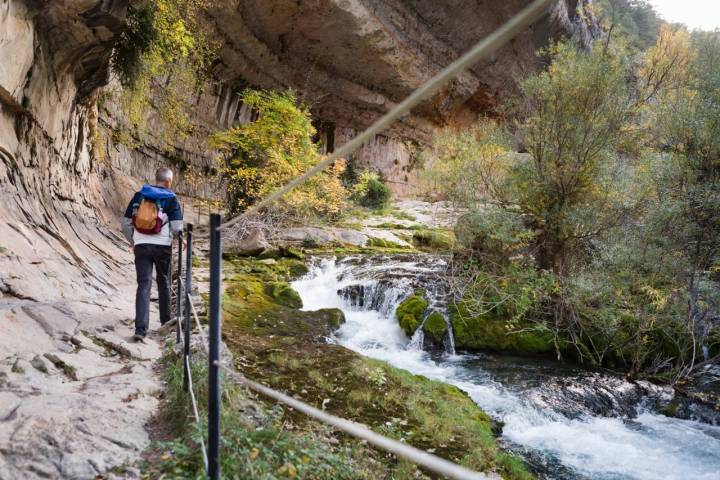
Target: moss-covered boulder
<point x="250" y="309"/>
<point x="335" y="317"/>
<point x="435" y="328"/>
<point x="282" y="252"/>
<point x="284" y="294"/>
<point x="383" y="243"/>
<point x="487" y="332"/>
<point x="411" y="312"/>
<point x="433" y="239"/>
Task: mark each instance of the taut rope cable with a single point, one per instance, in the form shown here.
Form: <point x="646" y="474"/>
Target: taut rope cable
<point x="417" y="456"/>
<point x="199" y="325"/>
<point x="482" y="49"/>
<point x="196" y="413"/>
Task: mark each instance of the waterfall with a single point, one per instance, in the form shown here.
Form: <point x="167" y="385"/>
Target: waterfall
<point x="449" y="340"/>
<point x="418" y="339"/>
<point x="384" y="296"/>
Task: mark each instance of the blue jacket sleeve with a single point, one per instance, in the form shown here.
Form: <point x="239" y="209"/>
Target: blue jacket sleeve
<point x="175" y="216"/>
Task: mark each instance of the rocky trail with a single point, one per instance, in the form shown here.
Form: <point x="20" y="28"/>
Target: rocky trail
<point x="75" y="391"/>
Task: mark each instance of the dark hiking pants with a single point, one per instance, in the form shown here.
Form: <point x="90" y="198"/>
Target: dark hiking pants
<point x="147" y="256"/>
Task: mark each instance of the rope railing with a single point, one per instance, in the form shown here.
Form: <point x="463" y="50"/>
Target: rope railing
<point x="196" y="413"/>
<point x="199" y="325"/>
<point x="211" y="342"/>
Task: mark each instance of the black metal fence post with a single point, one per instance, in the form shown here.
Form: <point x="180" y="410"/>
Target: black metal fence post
<point x="214" y="350"/>
<point x="179" y="289"/>
<point x="188" y="291"/>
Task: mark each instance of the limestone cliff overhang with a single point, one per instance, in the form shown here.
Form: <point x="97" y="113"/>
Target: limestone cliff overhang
<point x="352" y="60"/>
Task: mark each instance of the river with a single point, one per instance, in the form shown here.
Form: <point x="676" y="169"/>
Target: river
<point x="566" y="422"/>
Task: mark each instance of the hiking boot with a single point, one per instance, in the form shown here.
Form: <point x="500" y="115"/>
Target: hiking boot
<point x="139" y="337"/>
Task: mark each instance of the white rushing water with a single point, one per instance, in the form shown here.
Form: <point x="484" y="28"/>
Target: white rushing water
<point x="649" y="446"/>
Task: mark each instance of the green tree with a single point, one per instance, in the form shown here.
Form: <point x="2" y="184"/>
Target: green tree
<point x="260" y="156"/>
<point x="578" y="235"/>
<point x="577" y="113"/>
<point x="637" y="20"/>
<point x="688" y="123"/>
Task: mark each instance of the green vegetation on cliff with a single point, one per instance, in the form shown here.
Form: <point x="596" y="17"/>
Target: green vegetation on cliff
<point x="161" y="57"/>
<point x="284" y="294"/>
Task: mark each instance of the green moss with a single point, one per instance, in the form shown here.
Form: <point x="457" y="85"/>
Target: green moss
<point x="410" y="312"/>
<point x="296" y="268"/>
<point x="382" y="243"/>
<point x="274" y="254"/>
<point x="398" y="226"/>
<point x="282" y="252"/>
<point x="671" y="409"/>
<point x="259" y="441"/>
<point x="16" y="368"/>
<point x="335" y="316"/>
<point x="285" y="269"/>
<point x="433" y="239"/>
<point x="414" y="409"/>
<point x="489" y="333"/>
<point x="284" y="294"/>
<point x="435" y="327"/>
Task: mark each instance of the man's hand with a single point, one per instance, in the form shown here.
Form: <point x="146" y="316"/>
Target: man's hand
<point x="132" y="248"/>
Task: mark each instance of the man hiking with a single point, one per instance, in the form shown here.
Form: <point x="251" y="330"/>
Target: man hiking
<point x="151" y="220"/>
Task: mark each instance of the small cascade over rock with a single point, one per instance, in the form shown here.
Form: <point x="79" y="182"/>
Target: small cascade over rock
<point x="380" y="296"/>
<point x="414" y="292"/>
<point x="417" y="341"/>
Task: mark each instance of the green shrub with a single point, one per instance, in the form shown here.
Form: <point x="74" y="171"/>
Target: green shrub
<point x="161" y="56"/>
<point x="487" y="332"/>
<point x="433" y="239"/>
<point x="136" y="38"/>
<point x="370" y="191"/>
<point x="263" y="155"/>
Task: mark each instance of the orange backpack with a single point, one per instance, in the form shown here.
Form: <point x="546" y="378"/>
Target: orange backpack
<point x="148" y="218"/>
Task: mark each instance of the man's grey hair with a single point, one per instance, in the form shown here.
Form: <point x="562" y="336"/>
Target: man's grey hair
<point x="163" y="174"/>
